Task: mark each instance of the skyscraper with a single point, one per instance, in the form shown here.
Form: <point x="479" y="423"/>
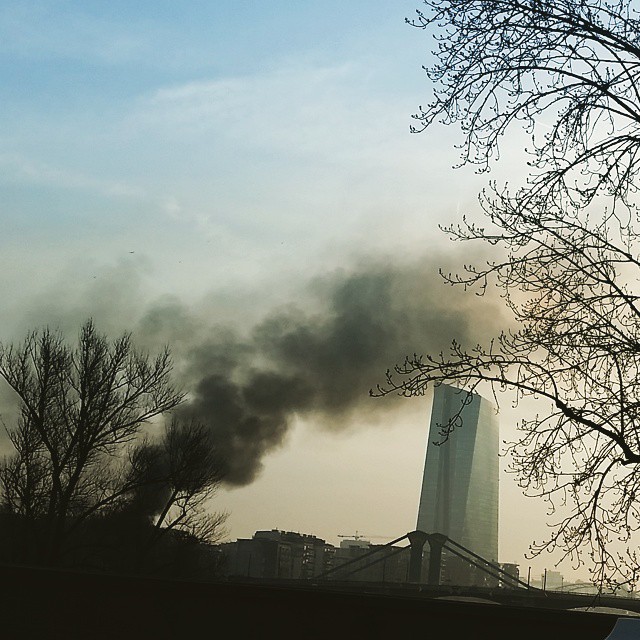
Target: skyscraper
<point x="460" y="483"/>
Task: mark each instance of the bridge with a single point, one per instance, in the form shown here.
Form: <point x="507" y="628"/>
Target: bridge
<point x="507" y="589"/>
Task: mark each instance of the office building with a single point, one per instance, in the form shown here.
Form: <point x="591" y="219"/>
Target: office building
<point x="460" y="483"/>
<point x="278" y="554"/>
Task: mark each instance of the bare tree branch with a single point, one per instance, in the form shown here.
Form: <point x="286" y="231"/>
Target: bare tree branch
<point x="78" y="451"/>
<point x="567" y="250"/>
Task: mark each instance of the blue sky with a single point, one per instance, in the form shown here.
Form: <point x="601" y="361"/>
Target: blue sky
<point x="240" y="122"/>
<point x="222" y="154"/>
<point x="245" y="140"/>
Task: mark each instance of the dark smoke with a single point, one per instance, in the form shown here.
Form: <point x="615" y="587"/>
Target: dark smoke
<point x="322" y="361"/>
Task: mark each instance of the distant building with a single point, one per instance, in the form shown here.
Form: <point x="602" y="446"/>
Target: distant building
<point x="460" y="483"/>
<point x="552" y="580"/>
<point x="285" y="555"/>
<point x="510" y="569"/>
<point x="386" y="565"/>
<point x="536" y="583"/>
<point x="355" y="543"/>
<point x="278" y="555"/>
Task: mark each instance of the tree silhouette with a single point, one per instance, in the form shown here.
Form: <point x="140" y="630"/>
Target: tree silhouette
<point x="566" y="245"/>
<point x="567" y="71"/>
<point x="81" y="460"/>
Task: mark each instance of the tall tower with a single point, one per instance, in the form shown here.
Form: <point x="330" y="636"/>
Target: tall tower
<point x="460" y="483"/>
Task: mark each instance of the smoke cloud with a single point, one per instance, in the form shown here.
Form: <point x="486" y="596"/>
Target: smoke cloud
<point x="317" y="357"/>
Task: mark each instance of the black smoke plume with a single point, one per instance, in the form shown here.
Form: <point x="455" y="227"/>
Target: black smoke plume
<point x="318" y="357"/>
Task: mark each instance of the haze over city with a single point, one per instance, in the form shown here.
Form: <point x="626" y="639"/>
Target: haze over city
<point x="238" y="181"/>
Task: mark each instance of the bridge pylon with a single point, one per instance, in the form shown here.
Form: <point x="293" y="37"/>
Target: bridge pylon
<point x="436" y="544"/>
<point x="416" y="541"/>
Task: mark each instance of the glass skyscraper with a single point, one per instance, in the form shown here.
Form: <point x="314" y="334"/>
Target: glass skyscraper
<point x="460" y="483"/>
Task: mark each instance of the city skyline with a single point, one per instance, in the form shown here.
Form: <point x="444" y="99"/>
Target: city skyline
<point x="194" y="173"/>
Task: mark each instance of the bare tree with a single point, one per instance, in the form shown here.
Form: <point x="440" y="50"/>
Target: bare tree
<point x="568" y="71"/>
<point x="191" y="471"/>
<point x="567" y="251"/>
<point x="80" y="454"/>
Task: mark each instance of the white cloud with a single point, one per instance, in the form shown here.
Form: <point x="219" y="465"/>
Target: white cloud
<point x="296" y="110"/>
<point x="23" y="170"/>
<point x="307" y="140"/>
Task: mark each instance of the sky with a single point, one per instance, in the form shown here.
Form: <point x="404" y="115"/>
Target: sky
<point x="238" y="180"/>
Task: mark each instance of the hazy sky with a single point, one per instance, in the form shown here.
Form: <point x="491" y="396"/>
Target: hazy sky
<point x="238" y="179"/>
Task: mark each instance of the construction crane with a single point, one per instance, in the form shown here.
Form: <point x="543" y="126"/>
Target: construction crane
<point x="360" y="536"/>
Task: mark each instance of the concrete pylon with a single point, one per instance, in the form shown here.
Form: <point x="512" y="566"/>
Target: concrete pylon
<point x="416" y="541"/>
<point x="436" y="542"/>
